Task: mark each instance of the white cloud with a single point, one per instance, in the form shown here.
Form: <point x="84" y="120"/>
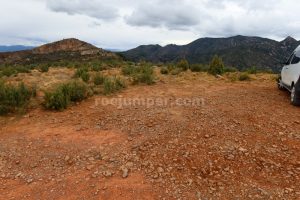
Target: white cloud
<point x="128" y="23"/>
<point x="92" y="8"/>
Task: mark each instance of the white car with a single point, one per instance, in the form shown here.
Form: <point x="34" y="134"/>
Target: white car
<point x="290" y="77"/>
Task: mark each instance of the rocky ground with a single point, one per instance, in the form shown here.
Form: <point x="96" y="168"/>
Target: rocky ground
<point x="242" y="142"/>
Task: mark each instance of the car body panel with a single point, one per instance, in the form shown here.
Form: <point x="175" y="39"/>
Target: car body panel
<point x="291" y="71"/>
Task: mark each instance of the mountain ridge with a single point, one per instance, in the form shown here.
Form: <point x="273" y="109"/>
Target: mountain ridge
<point x="13" y="48"/>
<point x="237" y="51"/>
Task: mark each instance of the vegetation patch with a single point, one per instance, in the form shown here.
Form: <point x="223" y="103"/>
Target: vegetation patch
<point x="183" y="64"/>
<point x="216" y="66"/>
<point x="44" y="68"/>
<point x="144" y="75"/>
<point x="83" y="73"/>
<point x="99" y="79"/>
<point x="14" y="98"/>
<point x="64" y="94"/>
<point x="164" y="70"/>
<point x="112" y="85"/>
<point x="198" y="68"/>
<point x="244" y="77"/>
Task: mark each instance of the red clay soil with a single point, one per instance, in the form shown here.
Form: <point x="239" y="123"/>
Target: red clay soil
<point x="243" y="142"/>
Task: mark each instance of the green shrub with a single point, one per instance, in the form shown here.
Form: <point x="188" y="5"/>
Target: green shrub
<point x="112" y="85"/>
<point x="216" y="66"/>
<point x="119" y="83"/>
<point x="82" y="73"/>
<point x="244" y="77"/>
<point x="99" y="79"/>
<point x="44" y="68"/>
<point x="129" y="70"/>
<point x="145" y="75"/>
<point x="183" y="64"/>
<point x="22" y="69"/>
<point x="78" y="91"/>
<point x="176" y="71"/>
<point x="164" y="70"/>
<point x="230" y="69"/>
<point x="198" y="68"/>
<point x="8" y="71"/>
<point x="252" y="70"/>
<point x="61" y="97"/>
<point x="98" y="68"/>
<point x="13" y="98"/>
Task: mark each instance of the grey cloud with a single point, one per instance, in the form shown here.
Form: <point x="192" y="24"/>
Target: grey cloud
<point x="92" y="8"/>
<point x="174" y="15"/>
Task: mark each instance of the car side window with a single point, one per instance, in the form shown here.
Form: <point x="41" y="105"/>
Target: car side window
<point x="296" y="58"/>
<point x="290" y="59"/>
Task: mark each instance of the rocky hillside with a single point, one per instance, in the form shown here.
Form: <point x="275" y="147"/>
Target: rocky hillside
<point x="239" y="51"/>
<point x="67" y="49"/>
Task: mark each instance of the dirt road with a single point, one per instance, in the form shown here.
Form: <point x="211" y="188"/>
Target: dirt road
<point x="242" y="142"/>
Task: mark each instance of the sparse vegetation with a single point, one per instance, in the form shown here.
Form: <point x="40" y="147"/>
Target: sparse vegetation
<point x="98" y="68"/>
<point x="83" y="73"/>
<point x="244" y="77"/>
<point x="145" y="75"/>
<point x="198" y="68"/>
<point x="140" y="74"/>
<point x="99" y="79"/>
<point x="176" y="71"/>
<point x="216" y="66"/>
<point x="129" y="70"/>
<point x="14" y="98"/>
<point x="61" y="97"/>
<point x="44" y="68"/>
<point x="112" y="85"/>
<point x="164" y="70"/>
<point x="183" y="64"/>
<point x="252" y="70"/>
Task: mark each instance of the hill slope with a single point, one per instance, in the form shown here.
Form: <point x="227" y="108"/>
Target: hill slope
<point x="239" y="51"/>
<point x="67" y="49"/>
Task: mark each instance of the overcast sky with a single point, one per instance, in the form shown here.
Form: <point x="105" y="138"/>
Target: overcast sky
<point x="124" y="24"/>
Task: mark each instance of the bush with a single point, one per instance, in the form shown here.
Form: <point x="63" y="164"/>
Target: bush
<point x="129" y="70"/>
<point x="198" y="68"/>
<point x="164" y="70"/>
<point x="13" y="98"/>
<point x="44" y="68"/>
<point x="98" y="68"/>
<point x="216" y="66"/>
<point x="8" y="71"/>
<point x="230" y="69"/>
<point x="112" y="85"/>
<point x="145" y="75"/>
<point x="99" y="79"/>
<point x="61" y="97"/>
<point x="22" y="69"/>
<point x="252" y="70"/>
<point x="183" y="64"/>
<point x="244" y="77"/>
<point x="82" y="73"/>
<point x="176" y="71"/>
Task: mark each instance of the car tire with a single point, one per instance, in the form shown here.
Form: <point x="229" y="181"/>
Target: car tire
<point x="295" y="98"/>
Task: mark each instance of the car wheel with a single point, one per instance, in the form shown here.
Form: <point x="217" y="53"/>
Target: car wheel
<point x="295" y="99"/>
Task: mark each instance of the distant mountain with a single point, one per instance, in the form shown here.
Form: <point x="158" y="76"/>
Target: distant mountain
<point x="64" y="50"/>
<point x="14" y="48"/>
<point x="239" y="51"/>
